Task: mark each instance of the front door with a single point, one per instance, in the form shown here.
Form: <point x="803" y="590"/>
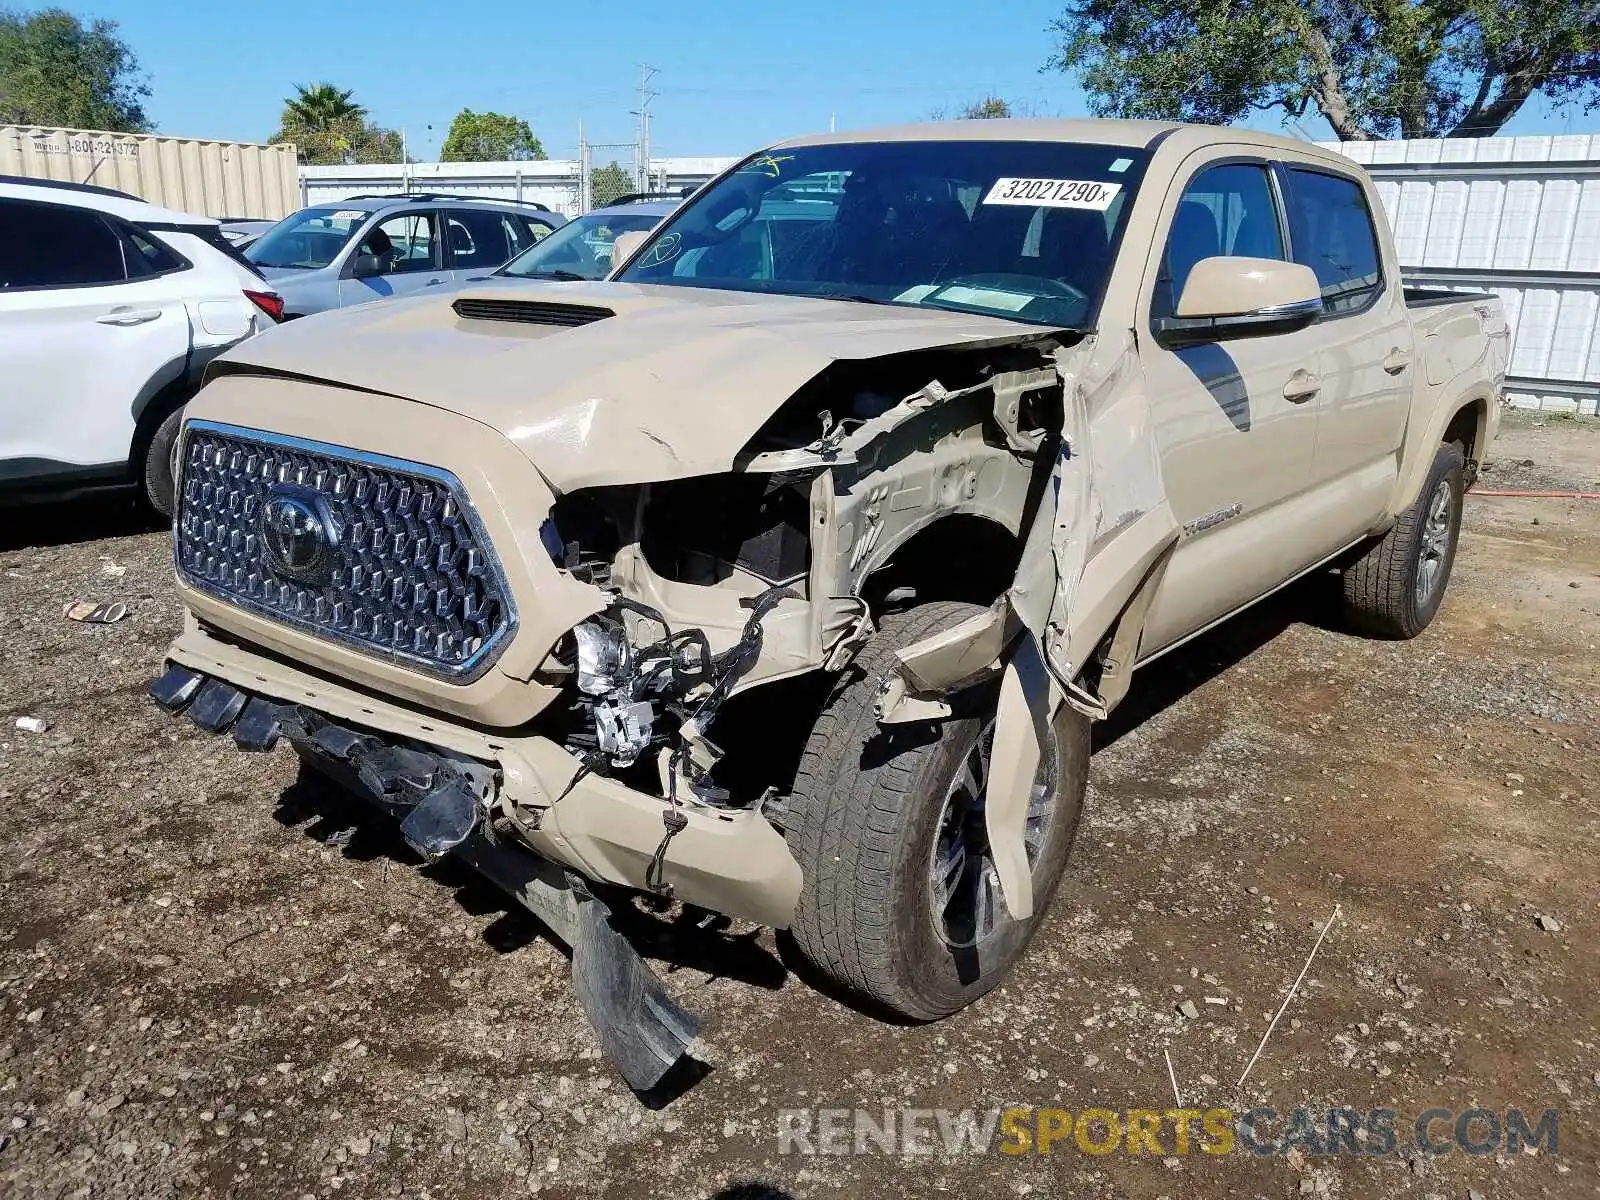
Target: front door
<point x="1235" y="419"/>
<point x="409" y="247"/>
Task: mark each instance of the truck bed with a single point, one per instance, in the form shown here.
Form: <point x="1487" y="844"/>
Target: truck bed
<point x="1426" y="297"/>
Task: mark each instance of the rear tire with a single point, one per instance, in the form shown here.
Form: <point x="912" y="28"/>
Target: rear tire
<point x="881" y="815"/>
<point x="158" y="483"/>
<point x="1395" y="589"/>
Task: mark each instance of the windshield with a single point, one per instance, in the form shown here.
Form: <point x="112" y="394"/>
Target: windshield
<point x="308" y="239"/>
<point x="580" y="249"/>
<point x="1024" y="230"/>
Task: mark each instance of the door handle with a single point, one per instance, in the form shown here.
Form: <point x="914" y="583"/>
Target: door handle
<point x="1302" y="386"/>
<point x="128" y="316"/>
<point x="1397" y="360"/>
<point x="432" y="282"/>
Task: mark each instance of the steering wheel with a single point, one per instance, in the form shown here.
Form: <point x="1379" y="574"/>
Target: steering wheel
<point x="1040" y="285"/>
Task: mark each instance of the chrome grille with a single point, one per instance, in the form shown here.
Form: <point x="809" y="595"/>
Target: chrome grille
<point x="412" y="577"/>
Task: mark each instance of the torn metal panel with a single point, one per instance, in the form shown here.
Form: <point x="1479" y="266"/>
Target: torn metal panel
<point x="1109" y="522"/>
<point x="1028" y="703"/>
<point x="967" y="653"/>
<point x="1010" y="388"/>
<point x="928" y="671"/>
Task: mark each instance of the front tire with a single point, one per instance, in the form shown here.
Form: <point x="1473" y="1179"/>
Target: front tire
<point x="1395" y="589"/>
<point x="900" y="904"/>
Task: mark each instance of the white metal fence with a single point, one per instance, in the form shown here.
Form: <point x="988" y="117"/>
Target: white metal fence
<point x="1515" y="216"/>
<point x="552" y="182"/>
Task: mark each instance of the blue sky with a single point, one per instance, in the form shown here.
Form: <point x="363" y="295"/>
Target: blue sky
<point x="732" y="76"/>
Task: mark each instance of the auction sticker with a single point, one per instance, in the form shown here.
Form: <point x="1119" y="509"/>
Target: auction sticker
<point x="1054" y="193"/>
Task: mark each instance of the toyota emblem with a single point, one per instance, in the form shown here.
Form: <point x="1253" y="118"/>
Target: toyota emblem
<point x="298" y="534"/>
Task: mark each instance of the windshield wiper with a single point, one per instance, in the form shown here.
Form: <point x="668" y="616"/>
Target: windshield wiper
<point x="853" y="298"/>
<point x="563" y="276"/>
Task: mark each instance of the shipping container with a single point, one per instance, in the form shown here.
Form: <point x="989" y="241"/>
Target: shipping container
<point x="213" y="179"/>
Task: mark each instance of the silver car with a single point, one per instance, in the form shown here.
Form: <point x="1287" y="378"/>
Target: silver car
<point x="582" y="248"/>
<point x="366" y="248"/>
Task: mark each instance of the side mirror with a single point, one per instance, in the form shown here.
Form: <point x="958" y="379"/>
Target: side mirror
<point x="364" y="266"/>
<point x="1229" y="297"/>
<point x="626" y="245"/>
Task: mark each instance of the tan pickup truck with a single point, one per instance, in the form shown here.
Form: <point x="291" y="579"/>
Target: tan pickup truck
<point x="782" y="574"/>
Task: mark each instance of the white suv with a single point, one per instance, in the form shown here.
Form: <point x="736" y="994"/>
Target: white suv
<point x="110" y="309"/>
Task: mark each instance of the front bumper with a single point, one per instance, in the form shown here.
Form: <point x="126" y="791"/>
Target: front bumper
<point x="728" y="861"/>
<point x="446" y="805"/>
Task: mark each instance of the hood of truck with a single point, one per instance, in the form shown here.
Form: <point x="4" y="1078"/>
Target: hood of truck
<point x="659" y="383"/>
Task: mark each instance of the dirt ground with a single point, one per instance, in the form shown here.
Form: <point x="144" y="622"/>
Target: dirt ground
<point x="216" y="980"/>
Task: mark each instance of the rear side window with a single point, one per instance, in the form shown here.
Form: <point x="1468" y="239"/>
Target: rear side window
<point x="1225" y="210"/>
<point x="48" y="245"/>
<point x="480" y="238"/>
<point x="148" y="255"/>
<point x="1334" y="236"/>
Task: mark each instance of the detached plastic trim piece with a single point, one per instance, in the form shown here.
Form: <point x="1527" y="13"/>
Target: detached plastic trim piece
<point x="258" y="727"/>
<point x="217" y="706"/>
<point x="173" y="690"/>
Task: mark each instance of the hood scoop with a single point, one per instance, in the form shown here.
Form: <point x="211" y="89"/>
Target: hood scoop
<point x="529" y="312"/>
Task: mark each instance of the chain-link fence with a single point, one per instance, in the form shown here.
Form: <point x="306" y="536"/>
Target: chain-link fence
<point x="608" y="170"/>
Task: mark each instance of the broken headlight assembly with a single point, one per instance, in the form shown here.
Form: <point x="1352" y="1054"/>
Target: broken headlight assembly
<point x="642" y="686"/>
<point x="641" y="681"/>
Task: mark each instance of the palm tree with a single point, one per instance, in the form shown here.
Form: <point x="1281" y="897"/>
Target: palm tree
<point x="321" y="105"/>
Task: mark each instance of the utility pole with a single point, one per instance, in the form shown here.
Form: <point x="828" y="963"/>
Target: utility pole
<point x="641" y="146"/>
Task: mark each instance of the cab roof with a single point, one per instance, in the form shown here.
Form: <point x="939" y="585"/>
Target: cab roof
<point x="1087" y="130"/>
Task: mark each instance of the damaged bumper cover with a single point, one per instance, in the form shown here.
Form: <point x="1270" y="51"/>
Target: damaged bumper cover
<point x="450" y="802"/>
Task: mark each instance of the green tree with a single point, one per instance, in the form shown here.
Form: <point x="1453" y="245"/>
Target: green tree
<point x="489" y="137"/>
<point x="321" y="105"/>
<point x="608" y="182"/>
<point x="328" y="127"/>
<point x="1371" y="68"/>
<point x="344" y="141"/>
<point x="990" y="108"/>
<point x="56" y="70"/>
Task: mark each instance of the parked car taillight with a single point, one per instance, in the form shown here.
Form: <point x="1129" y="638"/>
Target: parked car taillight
<point x="268" y="302"/>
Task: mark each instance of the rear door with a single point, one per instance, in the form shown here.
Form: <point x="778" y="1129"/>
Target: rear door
<point x="479" y="240"/>
<point x="89" y="331"/>
<point x="411" y="247"/>
<point x="1365" y="334"/>
<point x="1235" y="419"/>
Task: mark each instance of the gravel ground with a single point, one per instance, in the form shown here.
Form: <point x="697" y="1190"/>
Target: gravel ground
<point x="217" y="979"/>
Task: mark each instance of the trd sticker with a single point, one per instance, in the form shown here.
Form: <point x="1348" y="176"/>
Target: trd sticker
<point x="1054" y="193"/>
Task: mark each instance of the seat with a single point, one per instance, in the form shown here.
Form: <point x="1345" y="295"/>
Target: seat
<point x="996" y="238"/>
<point x="378" y="244"/>
<point x="1075" y="247"/>
<point x="893" y="241"/>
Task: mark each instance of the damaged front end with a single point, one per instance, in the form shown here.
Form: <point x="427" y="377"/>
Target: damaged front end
<point x="536" y="683"/>
<point x="451" y="804"/>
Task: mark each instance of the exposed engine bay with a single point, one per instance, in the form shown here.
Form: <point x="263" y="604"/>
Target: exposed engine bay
<point x="722" y="582"/>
